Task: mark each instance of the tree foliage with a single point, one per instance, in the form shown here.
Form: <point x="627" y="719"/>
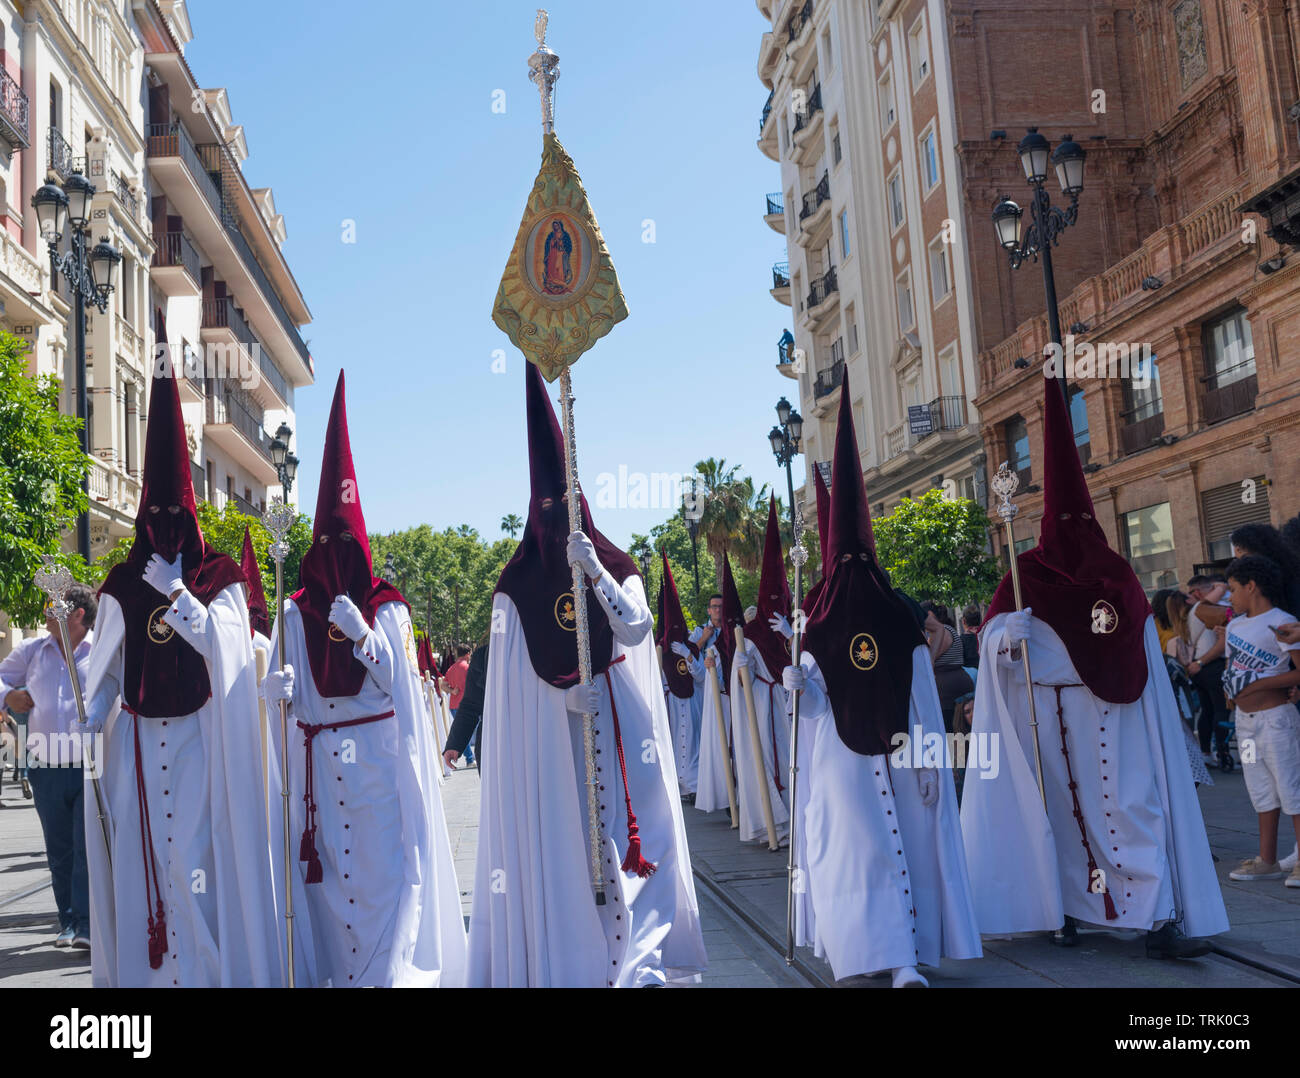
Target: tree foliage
<point x="41" y="472"/>
<point x="937" y="549"/>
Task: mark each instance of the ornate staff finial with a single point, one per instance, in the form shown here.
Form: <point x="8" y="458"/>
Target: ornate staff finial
<point x="544" y="70"/>
<point x="278" y="518"/>
<point x="798" y="553"/>
<point x="55" y="580"/>
<point x="1005" y="483"/>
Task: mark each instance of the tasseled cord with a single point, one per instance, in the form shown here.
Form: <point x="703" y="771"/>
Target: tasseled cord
<point x="158" y="918"/>
<point x="633" y="862"/>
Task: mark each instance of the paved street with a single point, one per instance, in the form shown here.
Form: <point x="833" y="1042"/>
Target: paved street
<point x="741" y="891"/>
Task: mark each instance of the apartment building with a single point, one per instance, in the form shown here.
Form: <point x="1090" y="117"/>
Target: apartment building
<point x="860" y="118"/>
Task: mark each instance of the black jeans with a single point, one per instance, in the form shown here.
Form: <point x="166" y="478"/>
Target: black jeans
<point x="58" y="795"/>
<point x="1209" y="679"/>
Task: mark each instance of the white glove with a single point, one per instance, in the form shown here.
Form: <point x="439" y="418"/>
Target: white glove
<point x="164" y="576"/>
<point x="278" y="686"/>
<point x="582" y="699"/>
<point x="681" y="649"/>
<point x="98" y="708"/>
<point x="582" y="551"/>
<point x="740" y="661"/>
<point x="348" y="619"/>
<point x="794" y="678"/>
<point x="711" y="658"/>
<point x="778" y="624"/>
<point x="927" y="784"/>
<point x="1017" y="626"/>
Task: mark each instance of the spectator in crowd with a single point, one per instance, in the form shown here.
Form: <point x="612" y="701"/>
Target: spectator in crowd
<point x="456" y="677"/>
<point x="948" y="656"/>
<point x="466" y="726"/>
<point x="1257" y="679"/>
<point x="1266" y="541"/>
<point x="1209" y="612"/>
<point x="970" y="643"/>
<point x="54" y="754"/>
<point x="1163" y="629"/>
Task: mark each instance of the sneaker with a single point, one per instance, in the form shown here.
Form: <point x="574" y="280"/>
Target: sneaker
<point x="1289" y="861"/>
<point x="27" y="789"/>
<point x="81" y="941"/>
<point x="1255" y="869"/>
<point x="1293" y="880"/>
<point x="64" y="938"/>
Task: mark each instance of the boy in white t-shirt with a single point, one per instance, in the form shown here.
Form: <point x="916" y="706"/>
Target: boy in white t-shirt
<point x="1257" y="679"/>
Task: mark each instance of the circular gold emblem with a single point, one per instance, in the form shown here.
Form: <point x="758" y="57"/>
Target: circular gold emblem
<point x="336" y="634"/>
<point x="159" y="631"/>
<point x="1104" y="618"/>
<point x="863" y="652"/>
<point x="681" y="665"/>
<point x="566" y="615"/>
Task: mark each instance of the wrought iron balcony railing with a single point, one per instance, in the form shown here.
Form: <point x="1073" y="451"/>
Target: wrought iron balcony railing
<point x="798" y="21"/>
<point x="822" y="287"/>
<point x="767" y="111"/>
<point x="775" y="203"/>
<point x="814" y="105"/>
<point x="781" y="275"/>
<point x="123" y="193"/>
<point x="175" y="249"/>
<point x="61" y="159"/>
<point x="829" y="380"/>
<point x="813" y="199"/>
<point x="15" y="119"/>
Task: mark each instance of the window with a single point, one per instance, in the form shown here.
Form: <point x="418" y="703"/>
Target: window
<point x="1017" y="446"/>
<point x="837" y="154"/>
<point x="906" y="312"/>
<point x="950" y="373"/>
<point x="1223" y="512"/>
<point x="1142" y="398"/>
<point x="844" y="233"/>
<point x="796" y="288"/>
<point x="1079" y="421"/>
<point x="896" y="201"/>
<point x="1149" y="540"/>
<point x="940" y="283"/>
<point x="851" y="320"/>
<point x="56" y="106"/>
<point x="919" y="49"/>
<point x="1229" y="349"/>
<point x="888" y="112"/>
<point x="929" y="161"/>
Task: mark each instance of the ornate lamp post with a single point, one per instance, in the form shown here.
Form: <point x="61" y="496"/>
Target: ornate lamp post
<point x="785" y="446"/>
<point x="91" y="275"/>
<point x="1047" y="222"/>
<point x="286" y="463"/>
<point x="690" y="495"/>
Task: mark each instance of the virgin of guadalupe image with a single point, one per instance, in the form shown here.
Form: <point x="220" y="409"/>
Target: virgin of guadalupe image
<point x="557" y="262"/>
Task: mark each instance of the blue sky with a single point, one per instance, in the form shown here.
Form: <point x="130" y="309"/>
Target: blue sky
<point x="383" y="115"/>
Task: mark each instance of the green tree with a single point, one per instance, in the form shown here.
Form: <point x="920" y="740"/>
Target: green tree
<point x="224" y="531"/>
<point x="511" y="524"/>
<point x="937" y="549"/>
<point x="727" y="501"/>
<point x="41" y="472"/>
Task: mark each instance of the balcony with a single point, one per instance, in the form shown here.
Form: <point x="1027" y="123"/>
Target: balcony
<point x="234" y="423"/>
<point x="122" y="192"/>
<point x="224" y="325"/>
<point x="15" y="120"/>
<point x="785" y="356"/>
<point x="815" y="210"/>
<point x="190" y="178"/>
<point x="823" y="288"/>
<point x="798" y="22"/>
<point x="1235" y="398"/>
<point x="837" y="352"/>
<point x="781" y="283"/>
<point x="199" y="480"/>
<point x="829" y="380"/>
<point x="767" y="131"/>
<point x="176" y="266"/>
<point x="807" y="121"/>
<point x="767" y="112"/>
<point x="1141" y="428"/>
<point x="775" y="216"/>
<point x="947" y="413"/>
<point x="60" y="158"/>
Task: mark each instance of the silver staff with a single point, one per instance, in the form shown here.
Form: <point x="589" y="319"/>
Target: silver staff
<point x="278" y="519"/>
<point x="798" y="555"/>
<point x="55" y="580"/>
<point x="1005" y="483"/>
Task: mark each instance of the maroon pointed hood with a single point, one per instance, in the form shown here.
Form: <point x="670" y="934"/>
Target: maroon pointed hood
<point x="538" y="578"/>
<point x="673" y="630"/>
<point x="823" y="523"/>
<point x="733" y="614"/>
<point x="259" y="620"/>
<point x="338" y="563"/>
<point x="859" y="631"/>
<point x="773" y="598"/>
<point x="164" y="675"/>
<point x="424" y="656"/>
<point x="1072" y="579"/>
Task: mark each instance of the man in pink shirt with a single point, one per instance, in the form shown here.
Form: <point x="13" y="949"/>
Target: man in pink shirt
<point x="456" y="682"/>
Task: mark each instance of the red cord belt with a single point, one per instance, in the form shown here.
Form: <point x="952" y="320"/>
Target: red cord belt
<point x="307" y="846"/>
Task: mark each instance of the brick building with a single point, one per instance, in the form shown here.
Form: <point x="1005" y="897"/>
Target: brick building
<point x="1183" y="108"/>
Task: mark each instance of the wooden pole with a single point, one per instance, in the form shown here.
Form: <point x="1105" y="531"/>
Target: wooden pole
<point x="722" y="736"/>
<point x="259" y="660"/>
<point x="756" y="742"/>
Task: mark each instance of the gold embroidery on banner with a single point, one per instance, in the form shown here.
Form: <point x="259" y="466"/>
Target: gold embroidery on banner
<point x="566" y="616"/>
<point x="1104" y="618"/>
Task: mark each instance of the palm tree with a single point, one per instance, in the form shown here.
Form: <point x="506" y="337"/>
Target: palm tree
<point x="511" y="524"/>
<point x="726" y="500"/>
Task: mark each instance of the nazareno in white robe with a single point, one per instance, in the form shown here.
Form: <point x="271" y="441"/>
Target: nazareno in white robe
<point x="217" y="864"/>
<point x="535" y="922"/>
<point x="770" y="707"/>
<point x="711" y="775"/>
<point x="684" y="722"/>
<point x="1139" y="805"/>
<point x="881" y="878"/>
<point x="387" y="912"/>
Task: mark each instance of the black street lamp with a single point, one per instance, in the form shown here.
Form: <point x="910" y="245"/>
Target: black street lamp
<point x="690" y="493"/>
<point x="644" y="559"/>
<point x="286" y="463"/>
<point x="785" y="445"/>
<point x="91" y="276"/>
<point x="1047" y="222"/>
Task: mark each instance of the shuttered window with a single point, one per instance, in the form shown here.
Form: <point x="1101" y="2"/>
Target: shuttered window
<point x="1226" y="508"/>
